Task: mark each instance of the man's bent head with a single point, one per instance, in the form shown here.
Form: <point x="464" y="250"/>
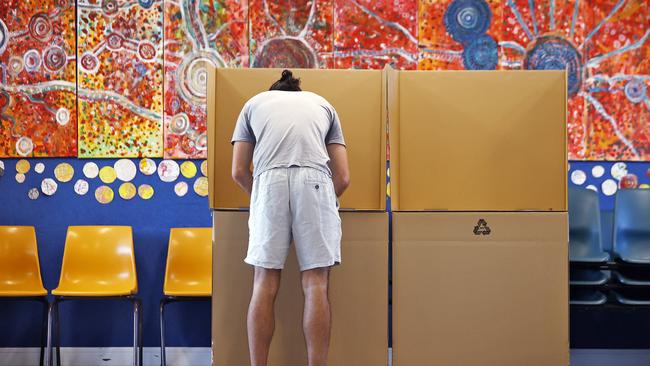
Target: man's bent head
<point x="287" y="82"/>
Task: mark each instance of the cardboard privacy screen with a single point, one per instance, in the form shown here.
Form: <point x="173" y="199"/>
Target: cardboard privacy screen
<point x="478" y="141"/>
<point x="357" y="97"/>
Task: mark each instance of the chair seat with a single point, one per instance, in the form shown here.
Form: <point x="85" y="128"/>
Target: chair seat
<point x="589" y="257"/>
<point x="632" y="279"/>
<point x="632" y="299"/>
<point x="634" y="251"/>
<point x="93" y="290"/>
<point x="188" y="289"/>
<point x="589" y="277"/>
<point x="587" y="297"/>
<point x="8" y="292"/>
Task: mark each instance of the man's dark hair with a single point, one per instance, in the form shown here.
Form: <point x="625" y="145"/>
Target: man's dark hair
<point x="287" y="82"/>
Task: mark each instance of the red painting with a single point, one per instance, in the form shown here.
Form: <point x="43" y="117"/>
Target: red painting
<point x="38" y="113"/>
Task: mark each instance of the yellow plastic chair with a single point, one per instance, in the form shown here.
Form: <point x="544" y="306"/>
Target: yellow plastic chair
<point x="20" y="271"/>
<point x="188" y="276"/>
<point x="98" y="263"/>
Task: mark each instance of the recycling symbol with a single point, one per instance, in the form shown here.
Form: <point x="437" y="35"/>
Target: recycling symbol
<point x="482" y="228"/>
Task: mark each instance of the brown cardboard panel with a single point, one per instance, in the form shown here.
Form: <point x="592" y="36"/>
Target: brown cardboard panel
<point x="357" y="97"/>
<point x="461" y="299"/>
<point x="480" y="141"/>
<point x="358" y="293"/>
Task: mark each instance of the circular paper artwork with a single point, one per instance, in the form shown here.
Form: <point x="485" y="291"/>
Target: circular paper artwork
<point x="619" y="170"/>
<point x="168" y="170"/>
<point x="629" y="181"/>
<point x="127" y="191"/>
<point x="23" y="166"/>
<point x="592" y="187"/>
<point x="578" y="177"/>
<point x="33" y="194"/>
<point x="2" y="165"/>
<point x="147" y="166"/>
<point x="598" y="171"/>
<point x="188" y="169"/>
<point x="39" y="168"/>
<point x="125" y="170"/>
<point x="644" y="186"/>
<point x="609" y="187"/>
<point x="201" y="186"/>
<point x="181" y="189"/>
<point x="91" y="170"/>
<point x="49" y="186"/>
<point x="20" y="178"/>
<point x="145" y="191"/>
<point x="204" y="168"/>
<point x="81" y="187"/>
<point x="107" y="174"/>
<point x="64" y="172"/>
<point x="104" y="195"/>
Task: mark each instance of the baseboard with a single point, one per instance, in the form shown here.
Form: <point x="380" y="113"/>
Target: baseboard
<point x="610" y="357"/>
<point x="118" y="356"/>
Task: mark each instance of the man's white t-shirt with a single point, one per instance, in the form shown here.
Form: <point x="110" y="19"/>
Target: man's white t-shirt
<point x="289" y="129"/>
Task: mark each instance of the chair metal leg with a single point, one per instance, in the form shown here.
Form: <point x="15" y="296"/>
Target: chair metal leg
<point x="136" y="328"/>
<point x="141" y="333"/>
<point x="46" y="311"/>
<point x="163" y="354"/>
<point x="50" y="321"/>
<point x="57" y="325"/>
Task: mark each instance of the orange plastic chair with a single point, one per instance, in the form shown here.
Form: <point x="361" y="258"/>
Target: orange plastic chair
<point x="98" y="263"/>
<point x="20" y="271"/>
<point x="188" y="276"/>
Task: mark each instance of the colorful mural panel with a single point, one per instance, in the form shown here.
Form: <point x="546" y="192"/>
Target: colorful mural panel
<point x="38" y="112"/>
<point x="197" y="34"/>
<point x="120" y="78"/>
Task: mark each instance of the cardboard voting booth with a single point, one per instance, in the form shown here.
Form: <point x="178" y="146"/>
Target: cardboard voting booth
<point x="359" y="288"/>
<point x="480" y="237"/>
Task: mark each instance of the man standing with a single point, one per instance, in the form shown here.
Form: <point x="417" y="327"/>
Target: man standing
<point x="295" y="142"/>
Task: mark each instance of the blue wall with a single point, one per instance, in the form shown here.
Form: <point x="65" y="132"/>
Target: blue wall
<point x="103" y="323"/>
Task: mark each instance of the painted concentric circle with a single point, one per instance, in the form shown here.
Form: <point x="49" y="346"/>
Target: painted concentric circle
<point x="32" y="60"/>
<point x="114" y="41"/>
<point x="24" y="146"/>
<point x="201" y="142"/>
<point x="556" y="53"/>
<point x="635" y="91"/>
<point x="285" y="53"/>
<point x="4" y="36"/>
<point x="179" y="124"/>
<point x="54" y="59"/>
<point x="147" y="51"/>
<point x="192" y="75"/>
<point x="62" y="116"/>
<point x="15" y="65"/>
<point x="467" y="19"/>
<point x="110" y="7"/>
<point x="40" y="27"/>
<point x="89" y="63"/>
<point x="481" y="54"/>
<point x="146" y="3"/>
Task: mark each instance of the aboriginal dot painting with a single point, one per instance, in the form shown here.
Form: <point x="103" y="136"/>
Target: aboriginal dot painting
<point x="119" y="50"/>
<point x="140" y="65"/>
<point x="38" y="112"/>
<point x="197" y="34"/>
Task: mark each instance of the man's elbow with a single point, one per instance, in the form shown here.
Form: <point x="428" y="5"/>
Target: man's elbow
<point x="239" y="175"/>
<point x="344" y="181"/>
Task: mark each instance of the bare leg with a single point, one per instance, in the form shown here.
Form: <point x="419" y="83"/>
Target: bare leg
<point x="317" y="315"/>
<point x="261" y="316"/>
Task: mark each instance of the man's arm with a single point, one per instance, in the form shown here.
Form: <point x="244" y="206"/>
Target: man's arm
<point x="242" y="155"/>
<point x="339" y="166"/>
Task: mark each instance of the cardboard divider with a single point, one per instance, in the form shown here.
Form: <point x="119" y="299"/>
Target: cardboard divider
<point x="466" y="299"/>
<point x="478" y="141"/>
<point x="357" y="96"/>
<point x="358" y="294"/>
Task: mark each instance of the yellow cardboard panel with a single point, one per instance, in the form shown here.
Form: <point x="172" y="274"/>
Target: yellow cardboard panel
<point x="357" y="97"/>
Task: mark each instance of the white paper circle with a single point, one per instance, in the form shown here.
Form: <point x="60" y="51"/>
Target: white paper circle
<point x="91" y="170"/>
<point x="39" y="168"/>
<point x="2" y="165"/>
<point x="49" y="186"/>
<point x="20" y="178"/>
<point x="147" y="166"/>
<point x="592" y="187"/>
<point x="33" y="194"/>
<point x="168" y="170"/>
<point x="81" y="187"/>
<point x="609" y="187"/>
<point x="181" y="189"/>
<point x="125" y="170"/>
<point x="597" y="171"/>
<point x="619" y="170"/>
<point x="578" y="177"/>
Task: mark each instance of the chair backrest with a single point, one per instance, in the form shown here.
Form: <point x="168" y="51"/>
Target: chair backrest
<point x="20" y="270"/>
<point x="102" y="255"/>
<point x="584" y="218"/>
<point x="631" y="213"/>
<point x="189" y="262"/>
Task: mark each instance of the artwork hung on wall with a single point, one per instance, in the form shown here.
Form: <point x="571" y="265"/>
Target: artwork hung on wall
<point x="38" y="112"/>
<point x="126" y="109"/>
<point x="197" y="34"/>
<point x="370" y="34"/>
<point x="119" y="49"/>
<point x="291" y="34"/>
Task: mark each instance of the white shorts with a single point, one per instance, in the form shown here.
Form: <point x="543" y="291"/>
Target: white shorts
<point x="294" y="203"/>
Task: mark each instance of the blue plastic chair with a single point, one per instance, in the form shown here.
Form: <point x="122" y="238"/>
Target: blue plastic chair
<point x="632" y="226"/>
<point x="588" y="277"/>
<point x="586" y="297"/>
<point x="585" y="245"/>
<point x="632" y="296"/>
